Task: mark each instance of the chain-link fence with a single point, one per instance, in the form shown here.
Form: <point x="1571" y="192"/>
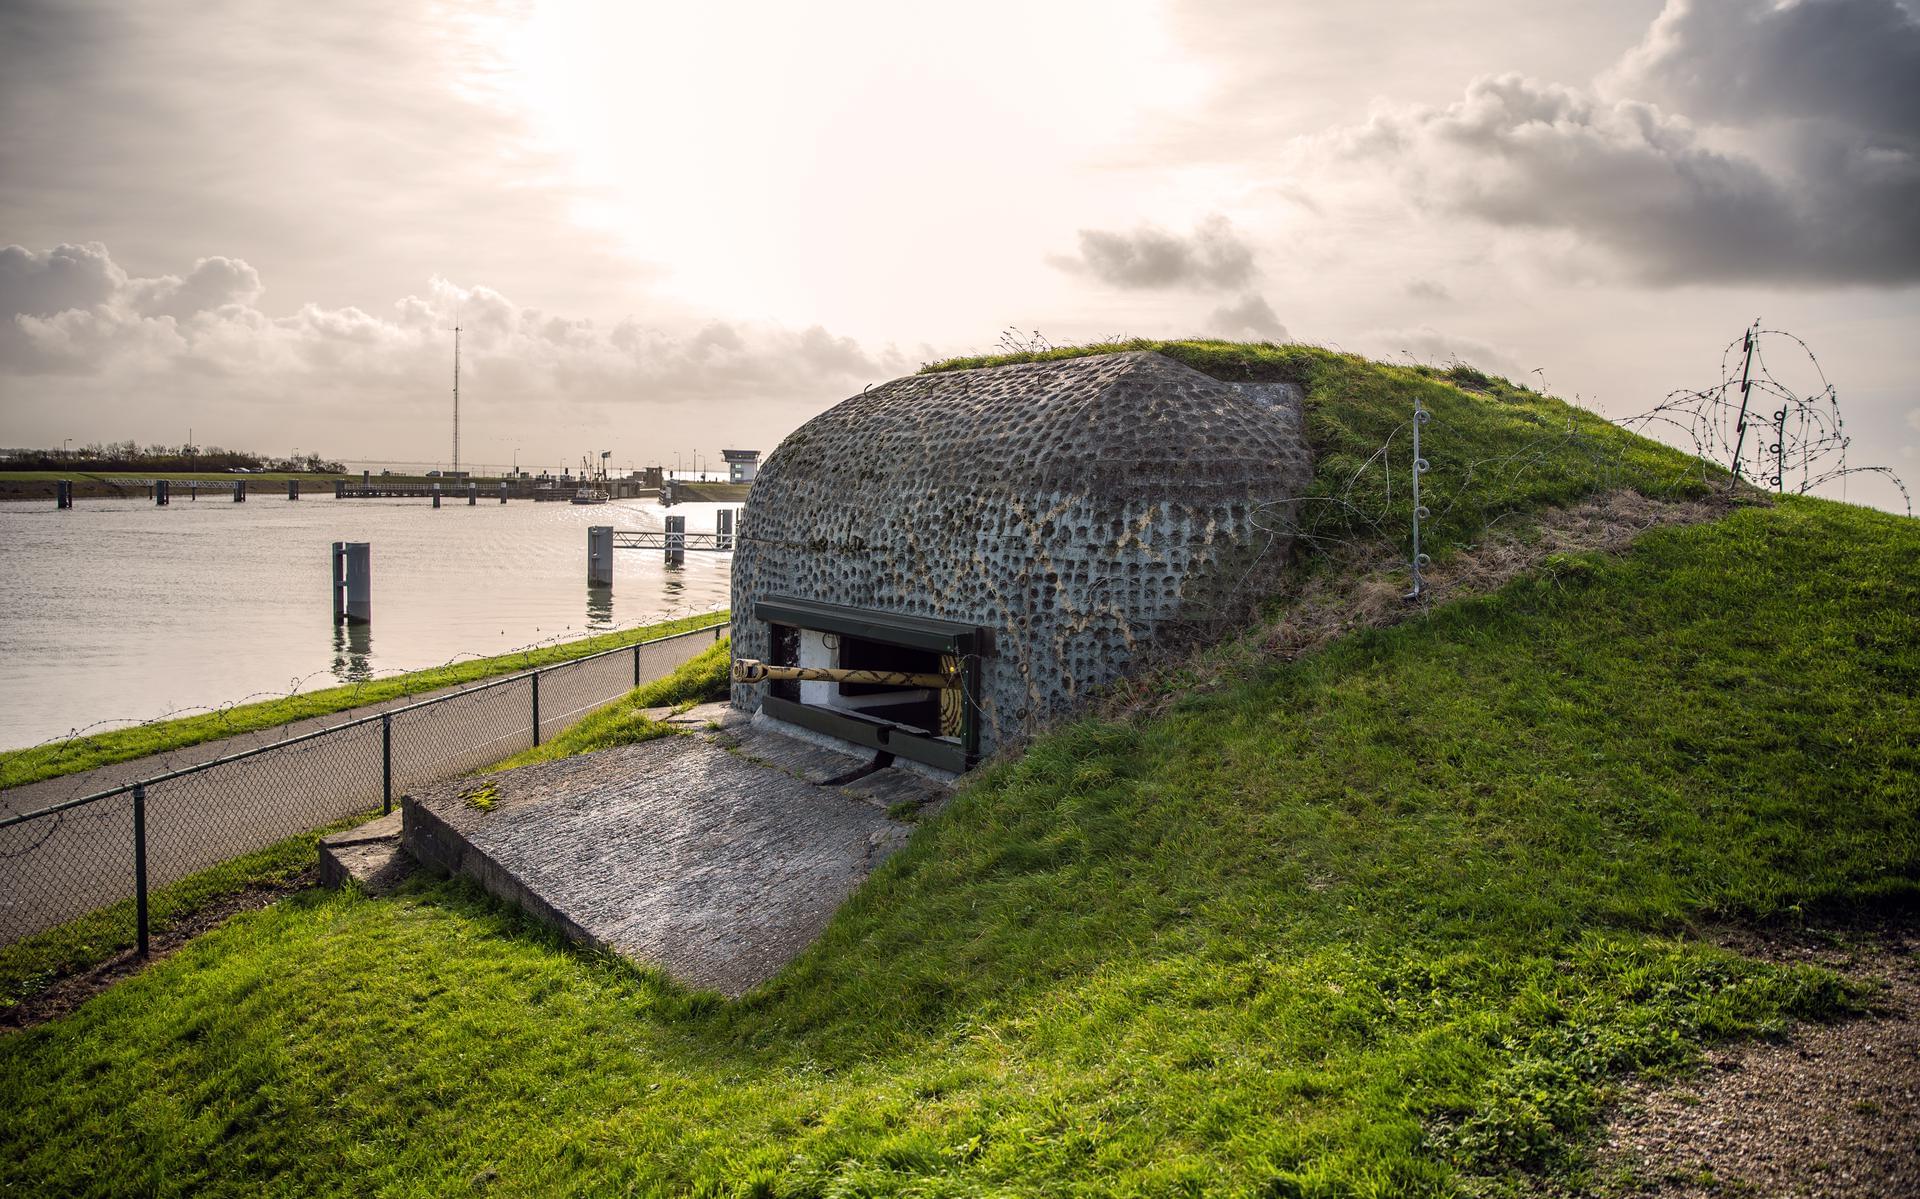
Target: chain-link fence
<point x="90" y="853"/>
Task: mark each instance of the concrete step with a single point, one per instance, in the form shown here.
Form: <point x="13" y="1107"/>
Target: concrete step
<point x="370" y="855"/>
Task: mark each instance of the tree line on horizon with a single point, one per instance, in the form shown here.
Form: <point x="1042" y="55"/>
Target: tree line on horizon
<point x="130" y="455"/>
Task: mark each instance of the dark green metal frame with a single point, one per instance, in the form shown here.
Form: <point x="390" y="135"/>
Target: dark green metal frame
<point x="968" y="643"/>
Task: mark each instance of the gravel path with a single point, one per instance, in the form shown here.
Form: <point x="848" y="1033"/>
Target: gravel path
<point x="1832" y="1112"/>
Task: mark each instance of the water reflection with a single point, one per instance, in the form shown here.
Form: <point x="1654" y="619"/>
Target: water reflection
<point x="353" y="652"/>
<point x="599" y="607"/>
<point x="672" y="583"/>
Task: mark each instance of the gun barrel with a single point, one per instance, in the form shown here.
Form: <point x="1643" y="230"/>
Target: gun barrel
<point x="747" y="670"/>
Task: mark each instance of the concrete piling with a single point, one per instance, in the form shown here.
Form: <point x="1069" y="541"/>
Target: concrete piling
<point x="162" y="492"/>
<point x="436" y="495"/>
<point x="473" y="494"/>
<point x="63" y="493"/>
<point x="293" y="489"/>
<point x="676" y="539"/>
<point x="723" y="531"/>
<point x="240" y="492"/>
<point x="600" y="555"/>
<point x="352" y="582"/>
<point x="503" y="491"/>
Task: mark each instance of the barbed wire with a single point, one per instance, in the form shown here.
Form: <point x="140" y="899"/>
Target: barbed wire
<point x="1765" y="442"/>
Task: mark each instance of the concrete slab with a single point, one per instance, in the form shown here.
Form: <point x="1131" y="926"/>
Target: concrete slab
<point x="809" y="763"/>
<point x="674" y="852"/>
<point x="370" y="855"/>
<point x="893" y="787"/>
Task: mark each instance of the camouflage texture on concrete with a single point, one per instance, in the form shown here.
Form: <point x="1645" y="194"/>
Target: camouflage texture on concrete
<point x="1080" y="509"/>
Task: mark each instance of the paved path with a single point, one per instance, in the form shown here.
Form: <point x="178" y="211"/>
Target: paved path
<point x="657" y="659"/>
<point x="59" y="867"/>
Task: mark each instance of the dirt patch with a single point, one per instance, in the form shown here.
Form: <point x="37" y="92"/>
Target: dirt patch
<point x="1829" y="1112"/>
<point x="67" y="993"/>
<point x="1363" y="587"/>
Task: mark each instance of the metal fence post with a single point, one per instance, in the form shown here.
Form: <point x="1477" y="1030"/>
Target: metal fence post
<point x="636" y="663"/>
<point x="140" y="865"/>
<point x="386" y="763"/>
<point x="536" y="707"/>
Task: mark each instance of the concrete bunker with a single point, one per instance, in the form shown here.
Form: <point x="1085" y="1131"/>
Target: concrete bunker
<point x="990" y="546"/>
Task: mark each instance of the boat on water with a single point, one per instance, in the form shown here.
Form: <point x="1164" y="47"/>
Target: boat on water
<point x="590" y="495"/>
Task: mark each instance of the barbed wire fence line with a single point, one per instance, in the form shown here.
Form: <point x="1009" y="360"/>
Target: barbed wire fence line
<point x="88" y="853"/>
<point x="1759" y="429"/>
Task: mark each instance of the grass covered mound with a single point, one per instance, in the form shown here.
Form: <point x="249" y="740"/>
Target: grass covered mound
<point x="1384" y="920"/>
<point x="1495" y="448"/>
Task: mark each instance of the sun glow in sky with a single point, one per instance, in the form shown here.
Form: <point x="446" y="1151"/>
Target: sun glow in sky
<point x="815" y="164"/>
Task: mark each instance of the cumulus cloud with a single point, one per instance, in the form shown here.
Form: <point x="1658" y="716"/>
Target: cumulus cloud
<point x="1212" y="258"/>
<point x="1823" y="190"/>
<point x="1250" y="315"/>
<point x="1854" y="62"/>
<point x="73" y="310"/>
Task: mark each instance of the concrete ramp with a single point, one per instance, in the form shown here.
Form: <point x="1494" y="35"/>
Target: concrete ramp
<point x="681" y="853"/>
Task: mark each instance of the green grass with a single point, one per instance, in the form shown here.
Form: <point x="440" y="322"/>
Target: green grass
<point x="28" y="965"/>
<point x="1387" y="920"/>
<point x="700" y="679"/>
<point x="22" y="766"/>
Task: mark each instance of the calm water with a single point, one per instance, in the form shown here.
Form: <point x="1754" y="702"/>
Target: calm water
<point x="118" y="611"/>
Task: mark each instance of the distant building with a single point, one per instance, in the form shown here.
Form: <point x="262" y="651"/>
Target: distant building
<point x="742" y="465"/>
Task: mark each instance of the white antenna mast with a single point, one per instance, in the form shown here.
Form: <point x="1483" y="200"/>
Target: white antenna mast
<point x="456" y="400"/>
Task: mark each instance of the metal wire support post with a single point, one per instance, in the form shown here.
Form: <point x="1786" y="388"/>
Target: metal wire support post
<point x="1746" y="382"/>
<point x="140" y="865"/>
<point x="1780" y="450"/>
<point x="536" y="707"/>
<point x="386" y="763"/>
<point x="1420" y="417"/>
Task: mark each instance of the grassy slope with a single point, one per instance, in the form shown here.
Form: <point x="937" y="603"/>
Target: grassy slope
<point x="1357" y="925"/>
<point x="22" y="766"/>
<point x="1373" y="922"/>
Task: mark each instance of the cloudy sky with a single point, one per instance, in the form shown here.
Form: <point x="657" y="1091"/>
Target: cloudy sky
<point x="677" y="227"/>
